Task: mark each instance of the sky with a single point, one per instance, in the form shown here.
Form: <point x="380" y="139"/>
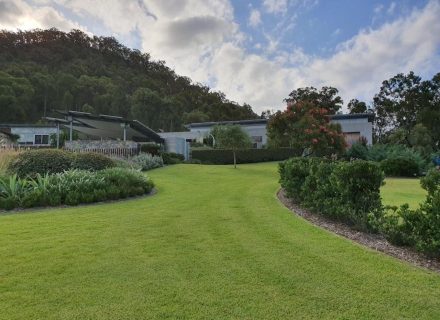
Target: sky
<point x="258" y="51"/>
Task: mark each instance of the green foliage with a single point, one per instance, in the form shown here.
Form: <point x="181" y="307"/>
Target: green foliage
<point x="172" y="157"/>
<point x="218" y="156"/>
<point x="151" y="148"/>
<point x="326" y="98"/>
<point x="356" y="106"/>
<point x="304" y="125"/>
<point x="147" y="161"/>
<point x="42" y="161"/>
<point x="231" y="137"/>
<point x="49" y="69"/>
<point x="72" y="187"/>
<point x="47" y="161"/>
<point x="357" y="151"/>
<point x="91" y="161"/>
<point x="431" y="182"/>
<point x="380" y="152"/>
<point x="347" y="191"/>
<point x="400" y="167"/>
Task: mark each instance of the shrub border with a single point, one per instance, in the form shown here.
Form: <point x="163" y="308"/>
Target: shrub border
<point x="375" y="242"/>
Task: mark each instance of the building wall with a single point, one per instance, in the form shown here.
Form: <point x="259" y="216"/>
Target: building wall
<point x="257" y="132"/>
<point x="27" y="134"/>
<point x="354" y="127"/>
<point x="4" y="140"/>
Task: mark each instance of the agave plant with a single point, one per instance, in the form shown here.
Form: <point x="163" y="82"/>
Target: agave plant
<point x="13" y="187"/>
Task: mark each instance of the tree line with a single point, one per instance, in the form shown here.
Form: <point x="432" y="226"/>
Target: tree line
<point x="406" y="109"/>
<point x="46" y="70"/>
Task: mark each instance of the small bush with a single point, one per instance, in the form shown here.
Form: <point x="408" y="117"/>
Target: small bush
<point x="219" y="156"/>
<point x="91" y="161"/>
<point x="147" y="161"/>
<point x="172" y="158"/>
<point x="151" y="148"/>
<point x="400" y="167"/>
<point x="33" y="162"/>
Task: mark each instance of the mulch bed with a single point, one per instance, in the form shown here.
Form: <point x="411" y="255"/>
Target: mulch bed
<point x="373" y="241"/>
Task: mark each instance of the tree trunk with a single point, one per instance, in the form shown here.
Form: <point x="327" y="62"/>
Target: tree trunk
<point x="235" y="160"/>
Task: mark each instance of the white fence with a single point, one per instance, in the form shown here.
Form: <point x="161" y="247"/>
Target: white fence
<point x="111" y="152"/>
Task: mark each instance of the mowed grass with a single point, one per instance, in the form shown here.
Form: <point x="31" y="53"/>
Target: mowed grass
<point x="398" y="191"/>
<point x="213" y="243"/>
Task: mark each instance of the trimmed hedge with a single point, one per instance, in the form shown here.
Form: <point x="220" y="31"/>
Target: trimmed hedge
<point x="400" y="167"/>
<point x="220" y="156"/>
<point x="172" y="158"/>
<point x="42" y="161"/>
<point x="48" y="161"/>
<point x="91" y="161"/>
<point x="347" y="191"/>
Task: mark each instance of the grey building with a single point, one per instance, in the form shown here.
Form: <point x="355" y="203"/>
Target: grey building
<point x="30" y="134"/>
<point x="354" y="127"/>
<point x="256" y="129"/>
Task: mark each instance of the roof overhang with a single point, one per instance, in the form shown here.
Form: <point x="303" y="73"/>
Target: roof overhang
<point x="106" y="126"/>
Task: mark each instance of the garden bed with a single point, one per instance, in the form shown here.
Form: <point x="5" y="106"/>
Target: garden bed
<point x="64" y="206"/>
<point x="373" y="241"/>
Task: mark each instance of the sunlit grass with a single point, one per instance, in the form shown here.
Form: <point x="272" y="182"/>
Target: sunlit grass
<point x="213" y="243"/>
<point x="398" y="191"/>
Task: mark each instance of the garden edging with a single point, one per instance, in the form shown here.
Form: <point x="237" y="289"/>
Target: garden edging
<point x="375" y="242"/>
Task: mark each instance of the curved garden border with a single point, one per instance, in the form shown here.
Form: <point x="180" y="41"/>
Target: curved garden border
<point x="39" y="209"/>
<point x="372" y="241"/>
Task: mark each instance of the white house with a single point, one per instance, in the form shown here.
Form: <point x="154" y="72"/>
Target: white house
<point x="354" y="126"/>
<point x="30" y="134"/>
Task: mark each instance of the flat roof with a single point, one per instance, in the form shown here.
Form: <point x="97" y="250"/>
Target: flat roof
<point x="213" y="123"/>
<point x="107" y="126"/>
<point x="369" y="116"/>
<point x="24" y="125"/>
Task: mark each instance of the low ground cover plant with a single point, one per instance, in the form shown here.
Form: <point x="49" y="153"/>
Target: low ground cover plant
<point x="350" y="192"/>
<point x="72" y="187"/>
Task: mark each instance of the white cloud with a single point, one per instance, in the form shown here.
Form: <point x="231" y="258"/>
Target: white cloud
<point x="275" y="6"/>
<point x="254" y="18"/>
<point x="201" y="39"/>
<point x="17" y="14"/>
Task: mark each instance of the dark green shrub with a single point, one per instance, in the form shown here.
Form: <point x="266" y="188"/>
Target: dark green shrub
<point x="348" y="191"/>
<point x="33" y="162"/>
<point x="172" y="158"/>
<point x="151" y="148"/>
<point x="357" y="151"/>
<point x="293" y="174"/>
<point x="431" y="182"/>
<point x="400" y="167"/>
<point x="219" y="156"/>
<point x="91" y="161"/>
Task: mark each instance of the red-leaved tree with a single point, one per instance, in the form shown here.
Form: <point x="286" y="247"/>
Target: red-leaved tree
<point x="306" y="126"/>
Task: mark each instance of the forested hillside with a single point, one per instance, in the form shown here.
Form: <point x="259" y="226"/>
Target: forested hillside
<point x="45" y="70"/>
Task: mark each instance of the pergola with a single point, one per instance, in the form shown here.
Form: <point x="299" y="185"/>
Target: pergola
<point x="104" y="126"/>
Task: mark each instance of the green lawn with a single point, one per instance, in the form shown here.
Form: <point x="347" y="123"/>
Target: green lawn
<point x="213" y="243"/>
<point x="398" y="191"/>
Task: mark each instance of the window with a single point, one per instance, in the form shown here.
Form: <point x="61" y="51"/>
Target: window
<point x="41" y="139"/>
